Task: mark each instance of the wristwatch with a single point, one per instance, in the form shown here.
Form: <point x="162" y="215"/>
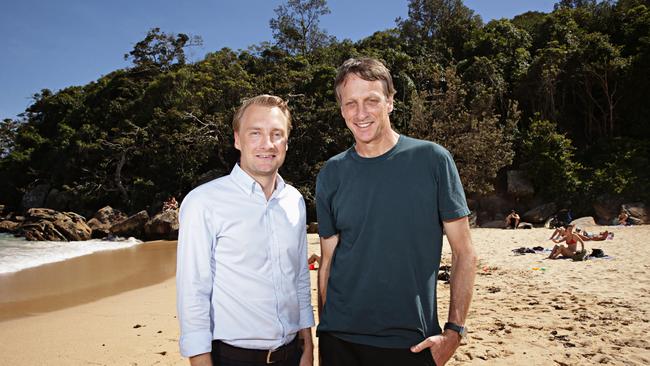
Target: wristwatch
<point x="461" y="330"/>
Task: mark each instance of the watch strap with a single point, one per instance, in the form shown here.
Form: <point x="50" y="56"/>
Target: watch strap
<point x="461" y="330"/>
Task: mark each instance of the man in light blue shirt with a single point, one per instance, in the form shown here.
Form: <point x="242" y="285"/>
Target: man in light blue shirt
<point x="243" y="291"/>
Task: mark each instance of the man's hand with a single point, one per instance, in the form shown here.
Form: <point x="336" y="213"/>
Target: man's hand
<point x="441" y="346"/>
<point x="307" y="358"/>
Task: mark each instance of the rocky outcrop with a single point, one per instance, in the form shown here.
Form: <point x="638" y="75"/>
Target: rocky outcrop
<point x="607" y="209"/>
<point x="59" y="200"/>
<point x="540" y="213"/>
<point x="519" y="185"/>
<point x="103" y="219"/>
<point x="7" y="226"/>
<point x="493" y="207"/>
<point x="132" y="226"/>
<point x="495" y="224"/>
<point x="47" y="224"/>
<point x="637" y="211"/>
<point x="36" y="196"/>
<point x="163" y="226"/>
<point x="584" y="221"/>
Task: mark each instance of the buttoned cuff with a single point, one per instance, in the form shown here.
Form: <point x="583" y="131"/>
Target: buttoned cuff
<point x="196" y="343"/>
<point x="306" y="318"/>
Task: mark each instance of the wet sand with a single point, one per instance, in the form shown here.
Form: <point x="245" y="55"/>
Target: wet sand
<point x="84" y="279"/>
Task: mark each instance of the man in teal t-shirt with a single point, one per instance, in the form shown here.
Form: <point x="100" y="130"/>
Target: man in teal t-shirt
<point x="382" y="206"/>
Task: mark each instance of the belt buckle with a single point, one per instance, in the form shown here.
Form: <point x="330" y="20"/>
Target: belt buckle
<point x="268" y="357"/>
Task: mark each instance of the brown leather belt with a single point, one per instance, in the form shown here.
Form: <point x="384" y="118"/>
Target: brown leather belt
<point x="255" y="355"/>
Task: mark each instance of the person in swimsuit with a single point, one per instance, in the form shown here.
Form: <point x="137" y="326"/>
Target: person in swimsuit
<point x="571" y="239"/>
<point x="603" y="235"/>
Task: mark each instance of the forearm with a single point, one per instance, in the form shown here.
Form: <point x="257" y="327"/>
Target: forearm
<point x="327" y="248"/>
<point x="307" y="341"/>
<point x="203" y="359"/>
<point x="462" y="285"/>
<point x="323" y="277"/>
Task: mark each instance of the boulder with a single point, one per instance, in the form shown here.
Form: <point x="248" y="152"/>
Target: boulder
<point x="36" y="196"/>
<point x="7" y="226"/>
<point x="540" y="213"/>
<point x="103" y="219"/>
<point x="164" y="225"/>
<point x="132" y="226"/>
<point x="472" y="204"/>
<point x="607" y="209"/>
<point x="496" y="224"/>
<point x="495" y="206"/>
<point x="525" y="225"/>
<point x="58" y="200"/>
<point x="48" y="224"/>
<point x="584" y="221"/>
<point x="637" y="212"/>
<point x="518" y="184"/>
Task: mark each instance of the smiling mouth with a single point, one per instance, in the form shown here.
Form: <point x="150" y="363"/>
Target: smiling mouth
<point x="363" y="124"/>
<point x="265" y="156"/>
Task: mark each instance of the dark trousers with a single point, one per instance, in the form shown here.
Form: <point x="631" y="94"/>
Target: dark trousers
<point x="220" y="360"/>
<point x="337" y="352"/>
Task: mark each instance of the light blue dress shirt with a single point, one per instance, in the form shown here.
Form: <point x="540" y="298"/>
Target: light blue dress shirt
<point x="242" y="274"/>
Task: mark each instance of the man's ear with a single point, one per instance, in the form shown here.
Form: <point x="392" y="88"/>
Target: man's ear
<point x="237" y="145"/>
<point x="390" y="104"/>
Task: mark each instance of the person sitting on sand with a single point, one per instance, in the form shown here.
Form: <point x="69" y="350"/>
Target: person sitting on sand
<point x="558" y="233"/>
<point x="512" y="220"/>
<point x="623" y="218"/>
<point x="571" y="239"/>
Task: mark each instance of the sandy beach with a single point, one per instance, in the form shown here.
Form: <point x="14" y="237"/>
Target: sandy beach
<point x="118" y="307"/>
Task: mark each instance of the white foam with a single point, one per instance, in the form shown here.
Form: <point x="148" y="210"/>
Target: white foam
<point x="17" y="253"/>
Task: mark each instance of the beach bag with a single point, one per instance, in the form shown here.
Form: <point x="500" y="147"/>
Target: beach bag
<point x="579" y="256"/>
<point x="597" y="253"/>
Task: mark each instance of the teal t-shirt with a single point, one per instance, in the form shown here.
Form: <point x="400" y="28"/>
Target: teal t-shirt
<point x="388" y="212"/>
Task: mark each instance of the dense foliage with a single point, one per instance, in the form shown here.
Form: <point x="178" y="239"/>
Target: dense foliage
<point x="562" y="95"/>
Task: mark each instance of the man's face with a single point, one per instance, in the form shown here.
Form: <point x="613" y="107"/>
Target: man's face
<point x="365" y="108"/>
<point x="262" y="140"/>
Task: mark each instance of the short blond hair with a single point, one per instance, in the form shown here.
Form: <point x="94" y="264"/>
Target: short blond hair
<point x="264" y="100"/>
<point x="369" y="69"/>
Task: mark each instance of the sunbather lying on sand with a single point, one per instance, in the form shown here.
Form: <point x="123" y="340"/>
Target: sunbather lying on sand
<point x="603" y="235"/>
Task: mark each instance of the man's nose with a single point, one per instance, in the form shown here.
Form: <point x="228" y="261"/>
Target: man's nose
<point x="362" y="113"/>
<point x="267" y="141"/>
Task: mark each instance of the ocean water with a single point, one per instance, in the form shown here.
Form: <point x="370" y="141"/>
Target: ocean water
<point x="17" y="253"/>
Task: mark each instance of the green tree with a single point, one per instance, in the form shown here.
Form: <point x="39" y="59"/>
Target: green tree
<point x="481" y="146"/>
<point x="160" y="51"/>
<point x="550" y="160"/>
<point x="8" y="128"/>
<point x="296" y="26"/>
<point x="440" y="25"/>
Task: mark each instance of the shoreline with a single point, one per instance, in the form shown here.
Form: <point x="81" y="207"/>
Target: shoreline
<point x="84" y="279"/>
<point x="526" y="310"/>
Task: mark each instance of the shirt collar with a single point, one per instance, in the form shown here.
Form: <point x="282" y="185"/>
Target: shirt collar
<point x="249" y="185"/>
